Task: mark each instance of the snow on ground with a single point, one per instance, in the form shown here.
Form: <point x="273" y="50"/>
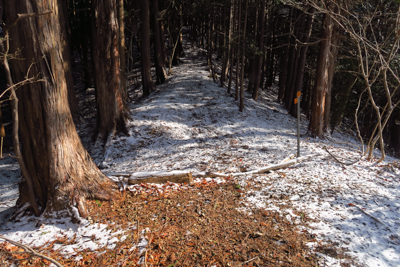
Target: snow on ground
<point x="9" y="177"/>
<point x="190" y="124"/>
<point x="42" y="231"/>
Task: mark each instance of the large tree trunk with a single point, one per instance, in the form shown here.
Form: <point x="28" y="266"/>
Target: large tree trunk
<point x="111" y="113"/>
<point x="63" y="173"/>
<point x="147" y="81"/>
<point x="316" y="125"/>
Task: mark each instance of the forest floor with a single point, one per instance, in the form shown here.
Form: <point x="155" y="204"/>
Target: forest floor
<point x="317" y="212"/>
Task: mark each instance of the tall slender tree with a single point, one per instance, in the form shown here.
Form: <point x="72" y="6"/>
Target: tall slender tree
<point x="231" y="43"/>
<point x="147" y="81"/>
<point x="241" y="101"/>
<point x="260" y="56"/>
<point x="316" y="125"/>
<point x="121" y="24"/>
<point x="111" y="110"/>
<point x="238" y="52"/>
<point x="158" y="44"/>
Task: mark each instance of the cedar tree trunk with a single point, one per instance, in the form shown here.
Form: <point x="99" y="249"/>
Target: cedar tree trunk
<point x="62" y="171"/>
<point x="111" y="114"/>
<point x="241" y="100"/>
<point x="331" y="72"/>
<point x="160" y="69"/>
<point x="121" y="23"/>
<point x="147" y="81"/>
<point x="259" y="58"/>
<point x="65" y="34"/>
<point x="316" y="125"/>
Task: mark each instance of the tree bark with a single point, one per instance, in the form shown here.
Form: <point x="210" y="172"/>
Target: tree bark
<point x="66" y="50"/>
<point x="121" y="24"/>
<point x="241" y="102"/>
<point x="284" y="64"/>
<point x="160" y="70"/>
<point x="227" y="51"/>
<point x="176" y="25"/>
<point x="334" y="50"/>
<point x="231" y="43"/>
<point x="259" y="58"/>
<point x="238" y="50"/>
<point x="62" y="172"/>
<point x="147" y="81"/>
<point x="316" y="125"/>
<point x="111" y="109"/>
<point x="161" y="3"/>
<point x="15" y="118"/>
<point x="252" y="60"/>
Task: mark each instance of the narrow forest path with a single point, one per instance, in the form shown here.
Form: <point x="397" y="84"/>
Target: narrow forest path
<point x="192" y="124"/>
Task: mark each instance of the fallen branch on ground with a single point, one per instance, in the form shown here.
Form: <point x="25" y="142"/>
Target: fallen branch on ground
<point x="182" y="177"/>
<point x="289" y="158"/>
<point x="277" y="166"/>
<point x="30" y="251"/>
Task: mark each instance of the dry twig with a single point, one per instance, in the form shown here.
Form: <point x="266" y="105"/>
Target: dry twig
<point x="30" y="251"/>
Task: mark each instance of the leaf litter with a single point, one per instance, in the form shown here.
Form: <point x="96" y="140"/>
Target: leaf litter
<point x="317" y="212"/>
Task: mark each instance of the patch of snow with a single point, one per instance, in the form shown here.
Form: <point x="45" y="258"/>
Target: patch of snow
<point x="41" y="231"/>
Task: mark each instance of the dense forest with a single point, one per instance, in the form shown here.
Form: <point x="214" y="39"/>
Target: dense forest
<point x="337" y="59"/>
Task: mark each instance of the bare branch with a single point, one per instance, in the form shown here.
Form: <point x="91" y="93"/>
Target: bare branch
<point x="30" y="251"/>
<point x="25" y="16"/>
<point x="342" y="162"/>
<point x="17" y="85"/>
